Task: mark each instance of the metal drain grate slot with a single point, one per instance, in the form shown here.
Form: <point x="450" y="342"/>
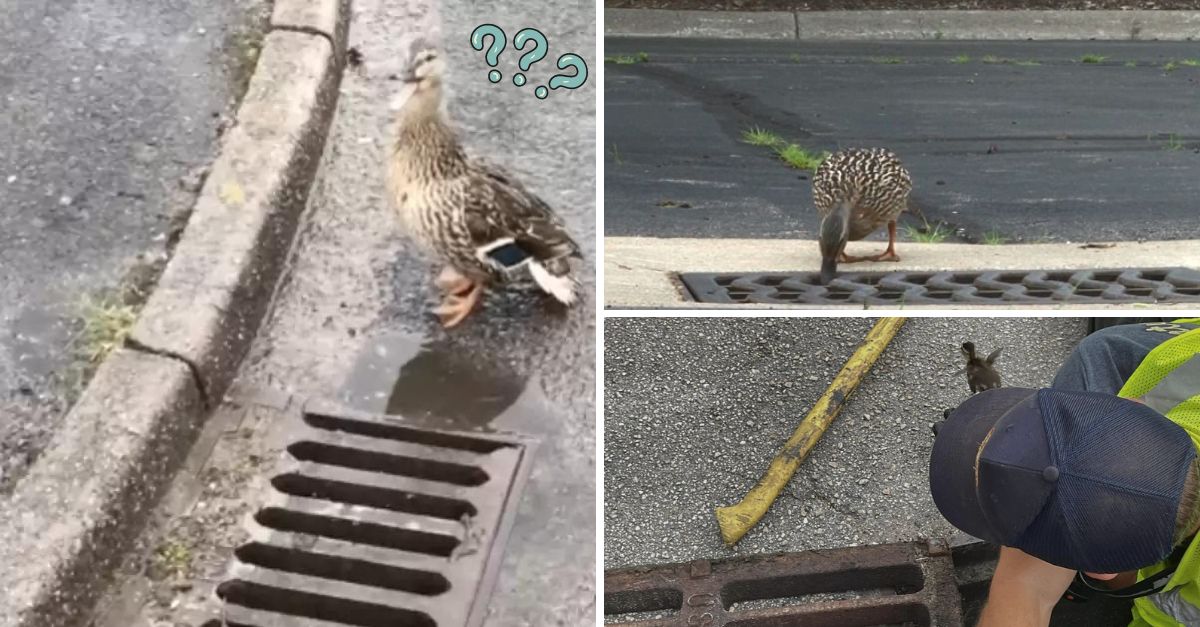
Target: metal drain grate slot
<point x="343" y="568"/>
<point x="1149" y="285"/>
<point x="373" y="522"/>
<point x="371" y="496"/>
<point x="402" y="433"/>
<point x="333" y="608"/>
<point x="384" y="536"/>
<point x="400" y="465"/>
<point x="895" y="584"/>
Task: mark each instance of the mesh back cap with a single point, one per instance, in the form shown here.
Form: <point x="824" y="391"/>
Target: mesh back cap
<point x="1082" y="480"/>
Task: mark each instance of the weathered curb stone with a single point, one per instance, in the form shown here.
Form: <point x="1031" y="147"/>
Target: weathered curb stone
<point x="906" y="25"/>
<point x="705" y="24"/>
<point x="212" y="296"/>
<point x="330" y="18"/>
<point x="93" y="487"/>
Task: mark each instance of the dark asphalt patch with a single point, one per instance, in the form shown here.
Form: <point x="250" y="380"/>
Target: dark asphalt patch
<point x="1023" y="142"/>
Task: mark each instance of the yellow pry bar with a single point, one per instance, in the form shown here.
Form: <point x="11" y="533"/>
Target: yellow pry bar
<point x="736" y="520"/>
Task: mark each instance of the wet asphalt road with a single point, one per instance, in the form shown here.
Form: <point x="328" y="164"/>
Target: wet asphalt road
<point x="1078" y="151"/>
<point x="104" y="106"/>
<point x="695" y="408"/>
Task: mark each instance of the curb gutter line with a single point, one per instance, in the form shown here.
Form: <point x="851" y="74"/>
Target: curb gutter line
<point x="1142" y="25"/>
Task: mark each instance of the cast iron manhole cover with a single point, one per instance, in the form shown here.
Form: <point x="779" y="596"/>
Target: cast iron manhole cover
<point x="989" y="287"/>
<point x="373" y="522"/>
<point x="891" y="584"/>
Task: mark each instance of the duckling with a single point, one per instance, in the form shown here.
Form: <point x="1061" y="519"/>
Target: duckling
<point x="856" y="191"/>
<point x="473" y="216"/>
<point x="981" y="374"/>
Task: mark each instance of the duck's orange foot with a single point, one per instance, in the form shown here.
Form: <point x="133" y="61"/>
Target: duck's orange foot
<point x="455" y="307"/>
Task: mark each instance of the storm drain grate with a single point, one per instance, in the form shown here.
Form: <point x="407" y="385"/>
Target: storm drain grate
<point x="884" y="585"/>
<point x="989" y="287"/>
<point x="373" y="523"/>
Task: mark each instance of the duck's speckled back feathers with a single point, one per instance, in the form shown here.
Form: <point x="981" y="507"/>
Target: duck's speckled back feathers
<point x="499" y="206"/>
<point x="872" y="180"/>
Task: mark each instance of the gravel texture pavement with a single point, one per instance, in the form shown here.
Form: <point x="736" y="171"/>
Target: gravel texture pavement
<point x="695" y="408"/>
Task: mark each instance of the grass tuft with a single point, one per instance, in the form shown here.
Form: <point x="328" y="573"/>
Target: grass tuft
<point x="800" y="158"/>
<point x="628" y="59"/>
<point x="993" y="238"/>
<point x="174" y="557"/>
<point x="761" y="137"/>
<point x="1190" y="62"/>
<point x="927" y="234"/>
<point x="106" y="325"/>
<point x="961" y="59"/>
<point x="1173" y="143"/>
<point x="792" y="154"/>
<point x="887" y="60"/>
<point x="1171" y="66"/>
<point x="1092" y="58"/>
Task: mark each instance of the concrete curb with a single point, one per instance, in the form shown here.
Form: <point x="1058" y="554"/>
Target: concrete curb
<point x="905" y="25"/>
<point x="640" y="272"/>
<point x="87" y="497"/>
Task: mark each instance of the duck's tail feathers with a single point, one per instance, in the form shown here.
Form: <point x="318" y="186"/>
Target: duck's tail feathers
<point x="563" y="287"/>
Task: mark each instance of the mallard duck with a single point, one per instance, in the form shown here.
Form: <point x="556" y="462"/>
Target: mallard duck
<point x="474" y="217"/>
<point x="981" y="373"/>
<point x="857" y="191"/>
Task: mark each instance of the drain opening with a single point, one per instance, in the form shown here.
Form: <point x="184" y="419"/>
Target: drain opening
<point x="343" y="569"/>
<point x="403" y="434"/>
<point x="1151" y="285"/>
<point x="906" y="615"/>
<point x="371" y="496"/>
<point x="906" y="584"/>
<point x="900" y="579"/>
<point x="386" y="463"/>
<point x="641" y="601"/>
<point x="318" y="606"/>
<point x="389" y="507"/>
<point x="360" y="532"/>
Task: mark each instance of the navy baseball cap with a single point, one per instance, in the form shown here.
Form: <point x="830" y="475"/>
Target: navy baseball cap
<point x="1083" y="480"/>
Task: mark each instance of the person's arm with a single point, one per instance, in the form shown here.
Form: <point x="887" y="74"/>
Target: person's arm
<point x="1024" y="591"/>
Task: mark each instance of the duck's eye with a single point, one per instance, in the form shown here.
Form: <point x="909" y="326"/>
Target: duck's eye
<point x="428" y="58"/>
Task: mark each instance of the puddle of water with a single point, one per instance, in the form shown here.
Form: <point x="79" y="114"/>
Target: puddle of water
<point x="435" y="383"/>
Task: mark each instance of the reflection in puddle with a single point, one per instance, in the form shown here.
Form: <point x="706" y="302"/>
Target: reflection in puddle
<point x="433" y="383"/>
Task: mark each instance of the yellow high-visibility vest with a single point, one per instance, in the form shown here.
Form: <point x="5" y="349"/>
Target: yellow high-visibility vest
<point x="1168" y="380"/>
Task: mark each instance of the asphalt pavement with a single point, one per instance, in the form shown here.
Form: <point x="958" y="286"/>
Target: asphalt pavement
<point x="352" y="321"/>
<point x="1019" y="140"/>
<point x="104" y="108"/>
<point x="696" y="408"/>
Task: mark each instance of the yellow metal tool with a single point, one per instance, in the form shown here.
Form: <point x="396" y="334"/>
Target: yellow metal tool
<point x="736" y="520"/>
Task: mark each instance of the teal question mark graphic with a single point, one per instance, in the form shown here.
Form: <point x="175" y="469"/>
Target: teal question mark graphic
<point x="538" y="53"/>
<point x="499" y="39"/>
<point x="570" y="81"/>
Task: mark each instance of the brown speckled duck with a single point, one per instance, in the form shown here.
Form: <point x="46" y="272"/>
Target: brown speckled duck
<point x="856" y="191"/>
<point x="478" y="220"/>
